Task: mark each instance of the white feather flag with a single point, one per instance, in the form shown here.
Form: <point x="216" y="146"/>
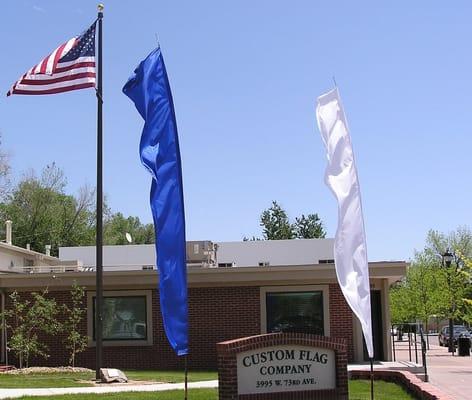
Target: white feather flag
<point x="350" y="249"/>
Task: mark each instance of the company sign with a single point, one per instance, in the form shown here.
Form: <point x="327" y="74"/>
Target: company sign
<point x="285" y="368"/>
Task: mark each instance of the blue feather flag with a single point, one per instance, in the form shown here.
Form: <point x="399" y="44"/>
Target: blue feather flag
<point x="149" y="89"/>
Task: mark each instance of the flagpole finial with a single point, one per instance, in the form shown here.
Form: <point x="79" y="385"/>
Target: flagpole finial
<point x="100" y="7"/>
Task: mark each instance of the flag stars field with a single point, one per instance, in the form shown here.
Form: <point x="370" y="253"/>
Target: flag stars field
<point x="69" y="67"/>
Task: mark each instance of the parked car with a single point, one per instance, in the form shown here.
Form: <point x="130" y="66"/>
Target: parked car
<point x="459" y="331"/>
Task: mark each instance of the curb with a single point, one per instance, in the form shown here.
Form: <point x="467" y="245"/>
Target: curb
<point x="409" y="381"/>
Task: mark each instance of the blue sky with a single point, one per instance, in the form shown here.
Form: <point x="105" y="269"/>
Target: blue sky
<point x="245" y="76"/>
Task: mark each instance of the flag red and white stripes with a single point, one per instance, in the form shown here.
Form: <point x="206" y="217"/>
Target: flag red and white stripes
<point x="69" y="67"/>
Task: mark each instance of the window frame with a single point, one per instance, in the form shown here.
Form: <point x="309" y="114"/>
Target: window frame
<point x="121" y="342"/>
<point x="324" y="289"/>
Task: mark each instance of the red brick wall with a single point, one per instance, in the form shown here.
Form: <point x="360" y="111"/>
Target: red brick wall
<point x="218" y="314"/>
<point x="340" y="318"/>
<point x="215" y="314"/>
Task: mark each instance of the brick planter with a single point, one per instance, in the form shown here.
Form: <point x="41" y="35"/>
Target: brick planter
<point x="228" y="373"/>
<point x="411" y="383"/>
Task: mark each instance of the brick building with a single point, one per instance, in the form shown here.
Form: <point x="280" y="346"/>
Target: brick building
<point x="235" y="290"/>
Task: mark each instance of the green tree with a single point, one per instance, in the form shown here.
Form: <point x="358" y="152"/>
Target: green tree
<point x="418" y="297"/>
<point x="26" y="320"/>
<point x="458" y="241"/>
<point x="309" y="227"/>
<point x="43" y="214"/>
<point x="455" y="291"/>
<point x="425" y="297"/>
<point x="433" y="288"/>
<point x="116" y="227"/>
<point x="467" y="314"/>
<point x="275" y="223"/>
<point x="75" y="342"/>
<point x="401" y="310"/>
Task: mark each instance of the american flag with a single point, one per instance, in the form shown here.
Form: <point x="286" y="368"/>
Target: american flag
<point x="70" y="67"/>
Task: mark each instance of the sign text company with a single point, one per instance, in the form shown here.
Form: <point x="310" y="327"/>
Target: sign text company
<point x="285" y="368"/>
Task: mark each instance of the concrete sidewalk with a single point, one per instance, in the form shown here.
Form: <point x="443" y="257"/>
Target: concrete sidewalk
<point x="451" y="374"/>
<point x="15" y="393"/>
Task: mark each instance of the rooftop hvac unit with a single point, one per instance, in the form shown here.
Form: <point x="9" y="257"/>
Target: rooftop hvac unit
<point x="203" y="251"/>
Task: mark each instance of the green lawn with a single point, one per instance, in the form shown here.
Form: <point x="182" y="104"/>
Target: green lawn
<point x="358" y="390"/>
<point x="76" y="379"/>
<point x="170" y="376"/>
<point x="64" y="379"/>
<point x="193" y="394"/>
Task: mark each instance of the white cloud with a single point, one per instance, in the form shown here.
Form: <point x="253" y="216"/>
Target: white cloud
<point x="38" y="9"/>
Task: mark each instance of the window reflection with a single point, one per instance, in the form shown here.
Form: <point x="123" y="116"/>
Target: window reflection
<point x="298" y="312"/>
<point x="124" y="318"/>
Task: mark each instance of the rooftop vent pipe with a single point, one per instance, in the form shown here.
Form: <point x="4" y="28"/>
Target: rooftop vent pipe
<point x="8" y="232"/>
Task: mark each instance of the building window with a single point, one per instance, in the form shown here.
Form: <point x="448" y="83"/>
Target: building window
<point x="297" y="309"/>
<point x="298" y="312"/>
<point x="127" y="317"/>
<point x="124" y="318"/>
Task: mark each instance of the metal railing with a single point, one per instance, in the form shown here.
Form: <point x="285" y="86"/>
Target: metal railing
<point x="423" y="354"/>
<point x="417" y="342"/>
<point x="50" y="269"/>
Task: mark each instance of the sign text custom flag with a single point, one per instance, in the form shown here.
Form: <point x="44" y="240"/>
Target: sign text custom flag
<point x="70" y="67"/>
<point x="149" y="89"/>
<point x="350" y="248"/>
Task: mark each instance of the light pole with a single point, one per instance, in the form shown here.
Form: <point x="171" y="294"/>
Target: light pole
<point x="447" y="259"/>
